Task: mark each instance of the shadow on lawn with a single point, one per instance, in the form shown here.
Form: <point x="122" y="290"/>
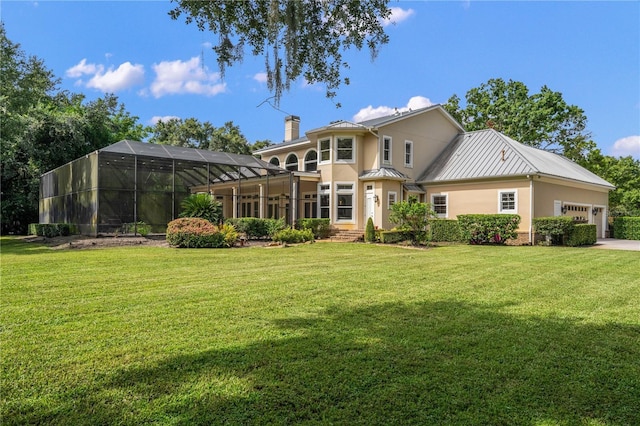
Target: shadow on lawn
<point x="425" y="363"/>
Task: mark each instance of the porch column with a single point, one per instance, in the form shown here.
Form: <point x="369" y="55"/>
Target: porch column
<point x="262" y="203"/>
<point x="234" y="198"/>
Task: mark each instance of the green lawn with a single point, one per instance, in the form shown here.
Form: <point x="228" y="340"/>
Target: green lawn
<point x="320" y="334"/>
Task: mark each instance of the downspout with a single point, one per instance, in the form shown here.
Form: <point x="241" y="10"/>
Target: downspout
<point x="531" y="209"/>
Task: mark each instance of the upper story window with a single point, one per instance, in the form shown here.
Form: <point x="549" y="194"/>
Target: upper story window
<point x="324" y="146"/>
<point x="408" y="154"/>
<point x="439" y="204"/>
<point x="345" y="149"/>
<point x="311" y="161"/>
<point x="386" y="150"/>
<point x="275" y="161"/>
<point x="508" y="201"/>
<point x="292" y="163"/>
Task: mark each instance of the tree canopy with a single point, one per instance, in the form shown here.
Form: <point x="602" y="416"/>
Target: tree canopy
<point x="297" y="38"/>
<point x="543" y="120"/>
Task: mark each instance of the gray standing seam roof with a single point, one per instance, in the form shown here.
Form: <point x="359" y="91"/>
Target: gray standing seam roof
<point x="488" y="154"/>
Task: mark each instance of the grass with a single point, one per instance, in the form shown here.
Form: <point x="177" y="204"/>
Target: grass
<point x="319" y="334"/>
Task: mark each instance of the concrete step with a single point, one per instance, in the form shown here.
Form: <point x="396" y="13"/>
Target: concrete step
<point x="348" y="235"/>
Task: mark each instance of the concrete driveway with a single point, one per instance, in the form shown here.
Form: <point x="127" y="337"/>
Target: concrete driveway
<point x="613" y="244"/>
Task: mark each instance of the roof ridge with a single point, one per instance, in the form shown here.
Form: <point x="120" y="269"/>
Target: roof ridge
<point x="516" y="147"/>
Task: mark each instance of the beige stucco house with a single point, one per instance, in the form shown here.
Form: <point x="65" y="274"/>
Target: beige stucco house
<point x="348" y="172"/>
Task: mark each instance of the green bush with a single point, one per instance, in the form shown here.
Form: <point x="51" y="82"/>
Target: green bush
<point x="194" y="233"/>
<point x="555" y="228"/>
<point x="393" y="237"/>
<point x="256" y="228"/>
<point x="488" y="228"/>
<point x="140" y="228"/>
<point x="50" y="230"/>
<point x="370" y="232"/>
<point x="626" y="228"/>
<point x="293" y="236"/>
<point x="444" y="230"/>
<point x="412" y="218"/>
<point x="321" y="228"/>
<point x="582" y="234"/>
<point x="203" y="206"/>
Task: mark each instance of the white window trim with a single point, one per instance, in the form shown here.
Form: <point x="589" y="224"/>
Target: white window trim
<point x="515" y="198"/>
<point x="277" y="158"/>
<point x="446" y="204"/>
<point x="353" y="149"/>
<point x="287" y="157"/>
<point x="410" y="163"/>
<point x="382" y="160"/>
<point x="395" y="198"/>
<point x="320" y="162"/>
<point x="353" y="201"/>
<point x="304" y="159"/>
<point x="324" y="192"/>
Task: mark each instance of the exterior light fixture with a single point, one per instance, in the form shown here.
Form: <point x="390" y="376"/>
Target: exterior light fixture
<point x="595" y="211"/>
<point x="564" y="209"/>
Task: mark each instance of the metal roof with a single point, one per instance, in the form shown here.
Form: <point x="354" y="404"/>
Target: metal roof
<point x="383" y="173"/>
<point x="489" y="154"/>
<point x="190" y="154"/>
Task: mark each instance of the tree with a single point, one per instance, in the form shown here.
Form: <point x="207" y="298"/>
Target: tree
<point x="43" y="129"/>
<point x="412" y="217"/>
<point x="297" y="38"/>
<point x="543" y="120"/>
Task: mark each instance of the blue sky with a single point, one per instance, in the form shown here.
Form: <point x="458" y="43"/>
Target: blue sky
<point x="159" y="68"/>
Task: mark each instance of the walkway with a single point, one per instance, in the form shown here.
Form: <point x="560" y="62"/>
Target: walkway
<point x="613" y="244"/>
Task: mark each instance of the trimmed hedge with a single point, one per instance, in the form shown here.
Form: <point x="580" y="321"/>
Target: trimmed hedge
<point x="293" y="236"/>
<point x="393" y="237"/>
<point x="444" y="230"/>
<point x="488" y="228"/>
<point x="50" y="230"/>
<point x="582" y="234"/>
<point x="626" y="228"/>
<point x="321" y="228"/>
<point x="191" y="232"/>
<point x="556" y="229"/>
<point x="256" y="228"/>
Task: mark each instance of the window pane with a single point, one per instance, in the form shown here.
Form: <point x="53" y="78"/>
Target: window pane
<point x="345" y="149"/>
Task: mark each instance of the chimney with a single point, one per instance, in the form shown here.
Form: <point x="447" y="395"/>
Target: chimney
<point x="291" y="128"/>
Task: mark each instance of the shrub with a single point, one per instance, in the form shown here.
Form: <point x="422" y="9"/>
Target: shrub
<point x="321" y="228"/>
<point x="203" y="206"/>
<point x="444" y="230"/>
<point x="140" y="228"/>
<point x="230" y="235"/>
<point x="255" y="228"/>
<point x="370" y="231"/>
<point x="488" y="228"/>
<point x="194" y="233"/>
<point x="274" y="226"/>
<point x="626" y="228"/>
<point x="293" y="236"/>
<point x="412" y="218"/>
<point x="50" y="230"/>
<point x="393" y="237"/>
<point x="582" y="235"/>
<point x="555" y="229"/>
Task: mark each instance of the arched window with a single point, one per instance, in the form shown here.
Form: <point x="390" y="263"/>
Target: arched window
<point x="311" y="161"/>
<point x="292" y="163"/>
<point x="275" y="161"/>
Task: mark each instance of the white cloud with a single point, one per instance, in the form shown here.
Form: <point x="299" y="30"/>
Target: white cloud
<point x="180" y="77"/>
<point x="627" y="146"/>
<point x="398" y="15"/>
<point x="163" y="118"/>
<point x="111" y="80"/>
<point x="260" y="77"/>
<point x="370" y="112"/>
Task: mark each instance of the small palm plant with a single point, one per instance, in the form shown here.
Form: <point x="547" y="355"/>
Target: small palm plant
<point x="203" y="206"/>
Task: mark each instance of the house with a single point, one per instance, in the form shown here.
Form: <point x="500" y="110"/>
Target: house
<point x="348" y="172"/>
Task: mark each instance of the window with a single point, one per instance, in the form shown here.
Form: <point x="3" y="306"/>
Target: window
<point x="324" y="146"/>
<point x="392" y="196"/>
<point x="292" y="163"/>
<point x="508" y="201"/>
<point x="386" y="150"/>
<point x="324" y="192"/>
<point x="311" y="161"/>
<point x="439" y="204"/>
<point x="310" y="205"/>
<point x="344" y="195"/>
<point x="345" y="149"/>
<point x="408" y="154"/>
<point x="275" y="161"/>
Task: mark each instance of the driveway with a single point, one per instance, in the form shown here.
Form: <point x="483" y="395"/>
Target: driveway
<point x="613" y="244"/>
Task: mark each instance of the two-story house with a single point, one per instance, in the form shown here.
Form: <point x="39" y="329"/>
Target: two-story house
<point x="348" y="172"/>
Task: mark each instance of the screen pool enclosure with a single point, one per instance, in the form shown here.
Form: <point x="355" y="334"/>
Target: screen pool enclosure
<point x="130" y="182"/>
